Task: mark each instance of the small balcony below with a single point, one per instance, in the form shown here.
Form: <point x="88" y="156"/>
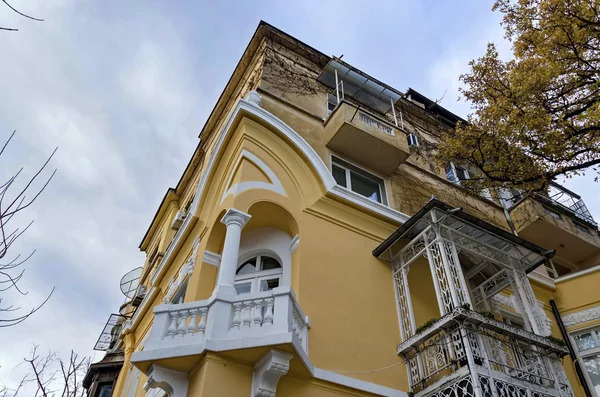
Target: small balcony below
<point x="365" y="138"/>
<point x="223" y="323"/>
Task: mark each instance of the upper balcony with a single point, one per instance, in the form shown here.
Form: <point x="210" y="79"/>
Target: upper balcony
<point x="365" y="138"/>
<point x="558" y="219"/>
<point x="353" y="128"/>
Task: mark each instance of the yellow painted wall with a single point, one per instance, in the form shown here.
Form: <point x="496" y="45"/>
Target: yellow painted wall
<point x="422" y="292"/>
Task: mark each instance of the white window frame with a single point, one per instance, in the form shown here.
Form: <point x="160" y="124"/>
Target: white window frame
<point x="338" y="162"/>
<point x="582" y="354"/>
<point x="413" y="140"/>
<point x="331" y="99"/>
<point x="257" y="276"/>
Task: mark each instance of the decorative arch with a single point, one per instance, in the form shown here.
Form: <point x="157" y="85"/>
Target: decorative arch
<point x="174" y="383"/>
<point x="254" y="111"/>
<point x="272" y="182"/>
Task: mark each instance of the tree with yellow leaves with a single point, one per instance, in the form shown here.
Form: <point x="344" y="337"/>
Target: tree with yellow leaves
<point x="537" y="116"/>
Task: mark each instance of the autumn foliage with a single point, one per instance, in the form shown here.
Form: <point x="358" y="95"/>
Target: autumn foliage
<point x="536" y="116"/>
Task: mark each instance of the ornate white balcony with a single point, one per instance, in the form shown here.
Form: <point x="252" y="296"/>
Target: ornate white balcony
<point x="226" y="322"/>
<point x="515" y="359"/>
<point x="472" y="265"/>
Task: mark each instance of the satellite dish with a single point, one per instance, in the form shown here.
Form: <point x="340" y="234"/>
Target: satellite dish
<point x="130" y="281"/>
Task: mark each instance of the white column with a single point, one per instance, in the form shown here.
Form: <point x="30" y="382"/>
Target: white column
<point x="527" y="299"/>
<point x="235" y="221"/>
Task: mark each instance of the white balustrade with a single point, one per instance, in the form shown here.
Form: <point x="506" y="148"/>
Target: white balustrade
<point x="225" y="317"/>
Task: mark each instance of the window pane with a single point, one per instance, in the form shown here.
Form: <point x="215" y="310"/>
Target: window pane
<point x="365" y="187"/>
<point x="339" y="174"/>
<point x="248" y="267"/>
<point x="243" y="288"/>
<point x="267" y="285"/>
<point x="592" y="364"/>
<point x="462" y="174"/>
<point x="585" y="341"/>
<point x="105" y="391"/>
<point x="269" y="263"/>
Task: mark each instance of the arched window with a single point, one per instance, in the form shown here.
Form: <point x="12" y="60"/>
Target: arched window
<point x="259" y="273"/>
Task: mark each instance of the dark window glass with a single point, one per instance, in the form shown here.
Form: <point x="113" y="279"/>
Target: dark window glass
<point x="105" y="391"/>
<point x="248" y="267"/>
<point x="267" y="285"/>
<point x="339" y="174"/>
<point x="365" y="187"/>
<point x="269" y="263"/>
<point x="462" y="174"/>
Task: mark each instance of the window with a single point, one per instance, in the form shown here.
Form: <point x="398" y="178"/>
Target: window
<point x="104" y="390"/>
<point x="359" y="181"/>
<point x="588" y="346"/>
<point x="580" y="228"/>
<point x="257" y="274"/>
<point x="180" y="294"/>
<point x="553" y="214"/>
<point x="463" y="174"/>
<point x="332" y="103"/>
<point x="413" y="140"/>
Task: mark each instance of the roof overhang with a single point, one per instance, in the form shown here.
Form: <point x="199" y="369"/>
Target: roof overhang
<point x="525" y="251"/>
<point x="359" y="86"/>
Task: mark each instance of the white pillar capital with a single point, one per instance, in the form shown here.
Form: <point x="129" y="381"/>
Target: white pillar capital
<point x="235" y="217"/>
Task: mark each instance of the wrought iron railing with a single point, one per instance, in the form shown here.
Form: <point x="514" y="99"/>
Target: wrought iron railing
<point x="496" y="348"/>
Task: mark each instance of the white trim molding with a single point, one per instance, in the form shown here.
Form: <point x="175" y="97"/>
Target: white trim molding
<point x="295" y="243"/>
<point x="273" y="185"/>
<point x="211" y="258"/>
<point x="542" y="279"/>
<point x="267" y="372"/>
<point x="581" y="317"/>
<point x="577" y="274"/>
<point x="186" y="270"/>
<point x="128" y="325"/>
<point x="174" y="383"/>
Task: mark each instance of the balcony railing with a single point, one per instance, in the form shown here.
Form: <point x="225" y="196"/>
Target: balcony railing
<point x="506" y="353"/>
<point x="569" y="201"/>
<point x="226" y="318"/>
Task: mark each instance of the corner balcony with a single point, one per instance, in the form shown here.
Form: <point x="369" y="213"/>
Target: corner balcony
<point x="365" y="138"/>
<point x="468" y="275"/>
<point x="558" y="219"/>
<point x="223" y="323"/>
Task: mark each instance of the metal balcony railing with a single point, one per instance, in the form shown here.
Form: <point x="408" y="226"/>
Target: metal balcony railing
<point x="507" y="353"/>
<point x="568" y="200"/>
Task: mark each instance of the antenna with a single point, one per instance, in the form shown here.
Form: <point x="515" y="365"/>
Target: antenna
<point x="130" y="281"/>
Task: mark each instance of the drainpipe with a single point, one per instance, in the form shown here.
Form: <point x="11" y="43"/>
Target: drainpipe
<point x="563" y="332"/>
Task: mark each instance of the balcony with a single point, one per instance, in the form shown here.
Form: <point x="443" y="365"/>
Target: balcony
<point x="468" y="274"/>
<point x="365" y="138"/>
<point x="438" y="358"/>
<point x="223" y="323"/>
<point x="560" y="220"/>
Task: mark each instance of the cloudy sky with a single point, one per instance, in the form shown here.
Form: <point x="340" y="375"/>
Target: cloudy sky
<point x="123" y="89"/>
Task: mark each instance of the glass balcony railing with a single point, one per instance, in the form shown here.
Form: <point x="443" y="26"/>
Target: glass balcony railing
<point x="568" y="200"/>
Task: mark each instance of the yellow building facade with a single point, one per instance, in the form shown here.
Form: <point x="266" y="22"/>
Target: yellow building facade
<point x="311" y="249"/>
